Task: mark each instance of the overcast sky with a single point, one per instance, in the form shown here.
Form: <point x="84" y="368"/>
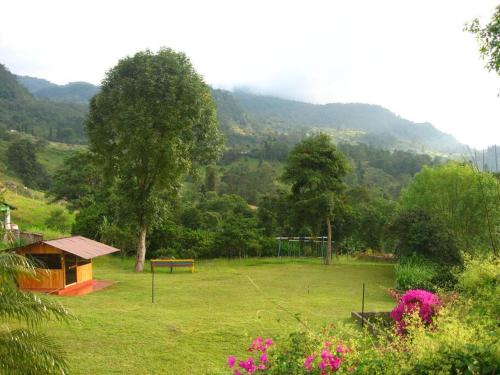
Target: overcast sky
<point x="409" y="56"/>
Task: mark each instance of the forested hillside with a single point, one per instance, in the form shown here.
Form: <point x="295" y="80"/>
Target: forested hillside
<point x="21" y="112"/>
<point x="73" y="92"/>
<point x="371" y="124"/>
<point x="247" y="119"/>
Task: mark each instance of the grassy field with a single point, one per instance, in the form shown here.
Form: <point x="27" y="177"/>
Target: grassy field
<point x="198" y="319"/>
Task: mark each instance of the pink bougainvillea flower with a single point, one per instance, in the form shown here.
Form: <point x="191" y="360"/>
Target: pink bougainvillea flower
<point x="261" y="367"/>
<point x="231" y="360"/>
<point x="322" y="365"/>
<point x="426" y="303"/>
<point x="269" y="342"/>
<point x="341" y="349"/>
<point x="334" y="363"/>
<point x="308" y="362"/>
<point x="263" y="358"/>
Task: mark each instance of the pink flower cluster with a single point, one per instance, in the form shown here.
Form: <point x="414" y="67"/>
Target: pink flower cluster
<point x="426" y="303"/>
<point x="328" y="362"/>
<point x="250" y="365"/>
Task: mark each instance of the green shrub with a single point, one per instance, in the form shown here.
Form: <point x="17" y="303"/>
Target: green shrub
<point x="165" y="253"/>
<point x="59" y="219"/>
<point x="419" y="232"/>
<point x="480" y="277"/>
<point x="415" y="273"/>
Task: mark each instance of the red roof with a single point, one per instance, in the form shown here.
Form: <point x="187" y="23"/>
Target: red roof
<point x="81" y="246"/>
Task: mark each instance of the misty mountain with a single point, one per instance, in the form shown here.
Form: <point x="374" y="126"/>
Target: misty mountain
<point x="21" y="111"/>
<point x="370" y="124"/>
<point x="247" y="118"/>
<point x="73" y="92"/>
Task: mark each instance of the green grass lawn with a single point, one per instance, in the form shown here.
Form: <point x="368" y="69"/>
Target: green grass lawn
<point x="199" y="319"/>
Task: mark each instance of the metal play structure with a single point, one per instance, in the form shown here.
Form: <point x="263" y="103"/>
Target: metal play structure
<point x="302" y="246"/>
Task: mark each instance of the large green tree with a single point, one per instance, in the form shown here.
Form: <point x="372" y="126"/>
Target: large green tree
<point x="152" y="122"/>
<point x="315" y="169"/>
<point x="466" y="199"/>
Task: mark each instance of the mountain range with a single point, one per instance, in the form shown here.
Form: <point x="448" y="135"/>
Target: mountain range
<point x="57" y="112"/>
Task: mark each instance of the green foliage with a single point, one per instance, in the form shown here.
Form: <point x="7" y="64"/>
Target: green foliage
<point x="415" y="273"/>
<point x="418" y="232"/>
<point x="247" y="182"/>
<point x="75" y="180"/>
<point x="153" y="121"/>
<point x="22" y="161"/>
<point x="59" y="219"/>
<point x="466" y="200"/>
<point x="488" y="37"/>
<point x="480" y="279"/>
<point x="23" y="349"/>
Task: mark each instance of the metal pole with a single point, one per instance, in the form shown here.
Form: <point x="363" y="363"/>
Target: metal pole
<point x="363" y="307"/>
<point x="152" y="283"/>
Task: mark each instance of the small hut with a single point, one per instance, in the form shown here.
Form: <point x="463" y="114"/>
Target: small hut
<point x="67" y="263"/>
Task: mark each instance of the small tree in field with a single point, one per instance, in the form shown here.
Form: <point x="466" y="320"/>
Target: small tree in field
<point x="315" y="169"/>
<point x="153" y="121"/>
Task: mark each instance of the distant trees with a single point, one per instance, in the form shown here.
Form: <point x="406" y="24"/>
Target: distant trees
<point x="241" y="179"/>
<point x="21" y="159"/>
<point x="41" y="118"/>
<point x="153" y="121"/>
<point x="76" y="180"/>
<point x="315" y="169"/>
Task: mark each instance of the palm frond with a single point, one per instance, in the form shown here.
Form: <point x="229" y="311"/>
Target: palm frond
<point x="13" y="265"/>
<point x="29" y="307"/>
<point x="29" y="353"/>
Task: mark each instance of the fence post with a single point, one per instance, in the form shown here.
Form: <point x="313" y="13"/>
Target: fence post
<point x="152" y="283"/>
<point x="363" y="307"/>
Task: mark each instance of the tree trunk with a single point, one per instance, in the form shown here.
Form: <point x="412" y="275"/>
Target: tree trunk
<point x="141" y="250"/>
<point x="328" y="259"/>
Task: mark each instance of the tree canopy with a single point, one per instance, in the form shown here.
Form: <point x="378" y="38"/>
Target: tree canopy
<point x="152" y="122"/>
<point x="315" y="170"/>
<point x="488" y="37"/>
<point x="467" y="200"/>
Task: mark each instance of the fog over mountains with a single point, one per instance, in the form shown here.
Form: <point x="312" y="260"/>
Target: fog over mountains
<point x="48" y="108"/>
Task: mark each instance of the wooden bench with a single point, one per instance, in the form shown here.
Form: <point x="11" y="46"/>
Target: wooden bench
<point x="172" y="263"/>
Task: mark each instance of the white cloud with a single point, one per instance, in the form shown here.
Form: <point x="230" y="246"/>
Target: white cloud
<point x="411" y="57"/>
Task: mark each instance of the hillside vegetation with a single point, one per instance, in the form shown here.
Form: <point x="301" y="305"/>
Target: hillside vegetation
<point x="34" y="212"/>
<point x="21" y="112"/>
<point x="73" y="92"/>
<point x="246" y="119"/>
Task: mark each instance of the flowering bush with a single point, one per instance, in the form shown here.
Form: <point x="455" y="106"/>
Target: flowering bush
<point x="251" y="365"/>
<point x="327" y="362"/>
<point x="416" y="300"/>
